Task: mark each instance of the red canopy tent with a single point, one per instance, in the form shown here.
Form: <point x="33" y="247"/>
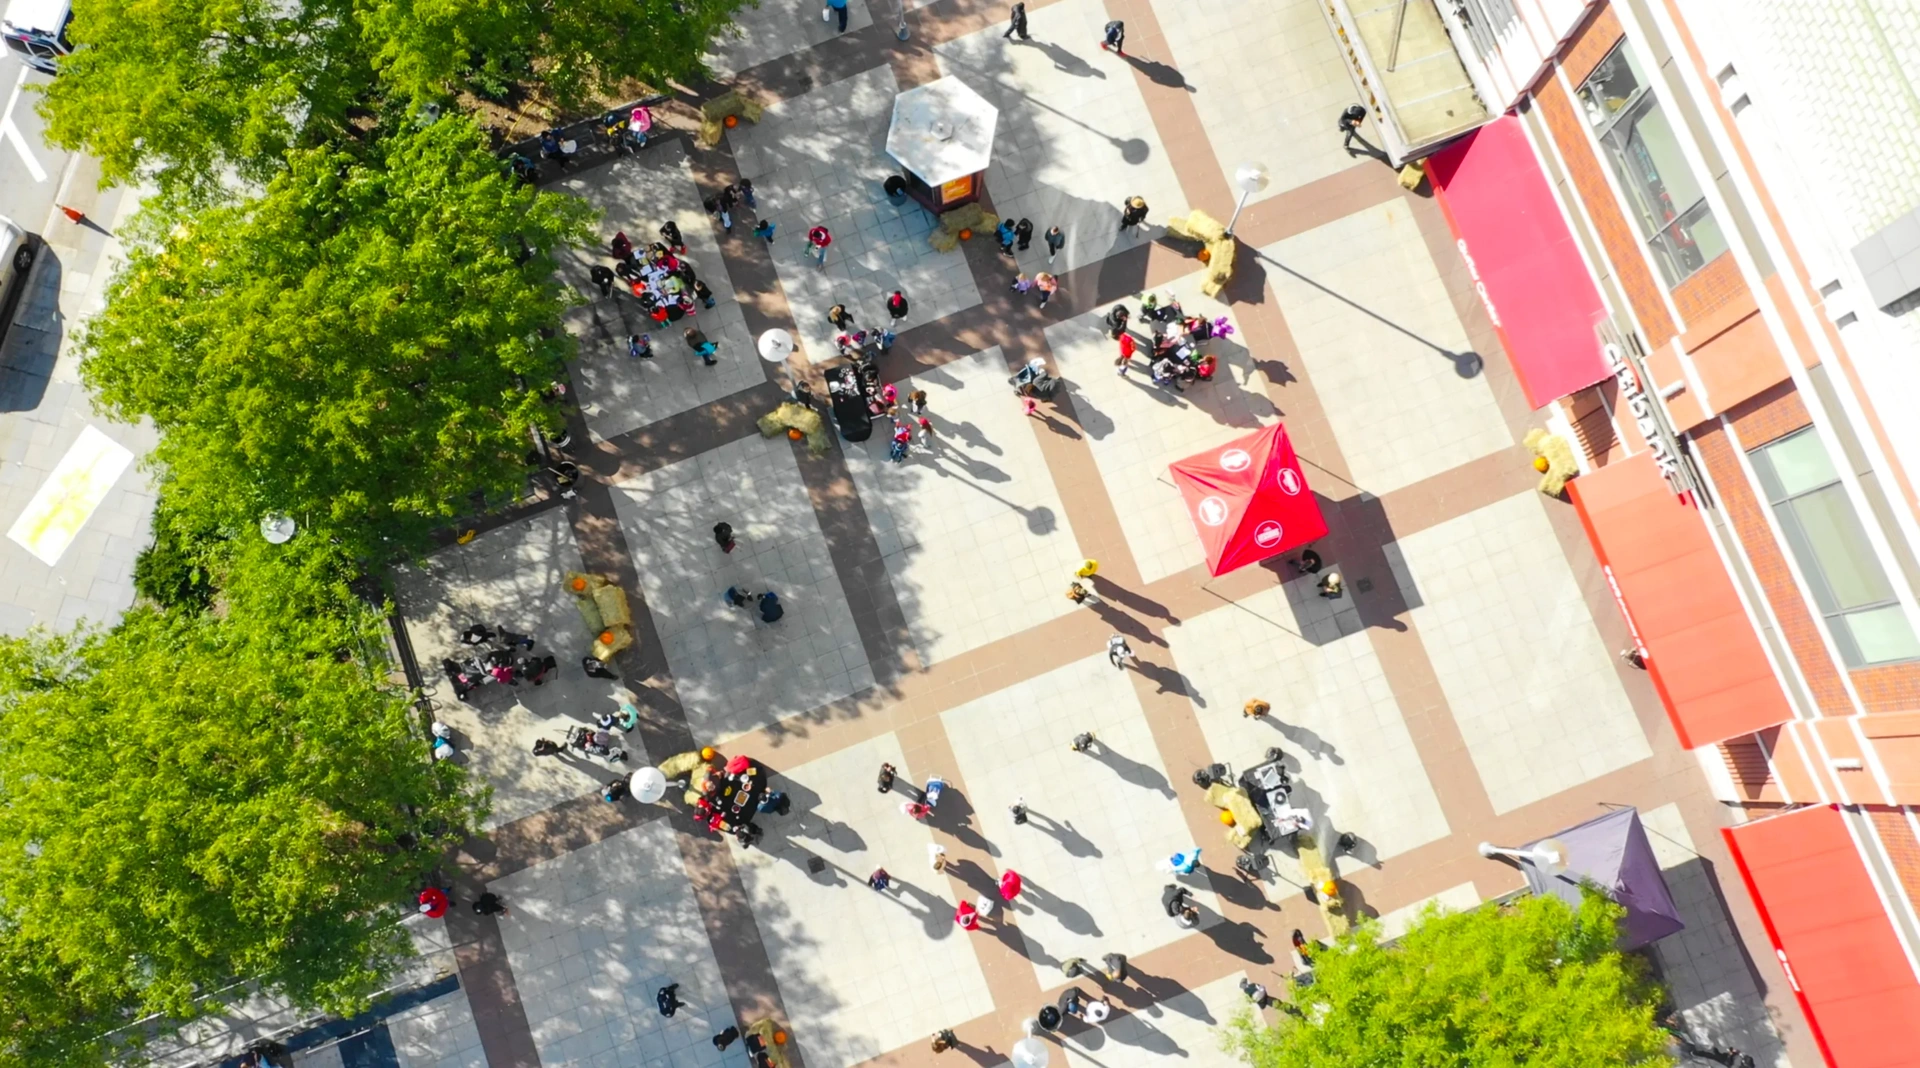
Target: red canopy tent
<point x="1248" y="499"/>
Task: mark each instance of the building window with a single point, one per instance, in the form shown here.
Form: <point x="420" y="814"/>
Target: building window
<point x="1826" y="538"/>
<point x="1639" y="140"/>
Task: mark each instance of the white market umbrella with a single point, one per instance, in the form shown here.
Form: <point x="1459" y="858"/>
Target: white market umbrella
<point x="648" y="785"/>
<point x="1030" y="1052"/>
<point x="776" y="345"/>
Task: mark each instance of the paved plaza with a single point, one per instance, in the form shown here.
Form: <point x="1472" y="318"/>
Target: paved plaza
<point x="1463" y="688"/>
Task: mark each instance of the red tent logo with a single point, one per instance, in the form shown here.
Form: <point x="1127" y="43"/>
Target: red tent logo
<point x="1212" y="511"/>
<point x="1268" y="535"/>
<point x="1289" y="480"/>
<point x="1235" y="460"/>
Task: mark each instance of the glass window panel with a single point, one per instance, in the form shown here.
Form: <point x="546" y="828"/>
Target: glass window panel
<point x="1609" y="88"/>
<point x="1881" y="634"/>
<point x="1840" y="549"/>
<point x="1797" y="463"/>
<point x="1696" y="240"/>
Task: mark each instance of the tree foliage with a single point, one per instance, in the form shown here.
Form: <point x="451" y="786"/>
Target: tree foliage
<point x="1536" y="984"/>
<point x="188" y="93"/>
<point x="361" y="348"/>
<point x="198" y="798"/>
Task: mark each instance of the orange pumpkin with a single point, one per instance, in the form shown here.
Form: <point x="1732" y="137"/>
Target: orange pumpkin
<point x="966" y="235"/>
<point x="707" y="752"/>
<point x="1226" y="817"/>
<point x="793" y="433"/>
<point x="606" y="637"/>
<point x="1540" y="464"/>
<point x="1205" y="255"/>
<point x="779" y="1038"/>
<point x="731" y="121"/>
<point x="579" y="584"/>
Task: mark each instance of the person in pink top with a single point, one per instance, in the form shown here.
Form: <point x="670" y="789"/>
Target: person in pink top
<point x="1010" y="885"/>
<point x="818" y="239"/>
<point x="967" y="916"/>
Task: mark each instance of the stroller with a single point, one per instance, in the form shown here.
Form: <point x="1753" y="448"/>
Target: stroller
<point x="1033" y="380"/>
<point x="595" y="743"/>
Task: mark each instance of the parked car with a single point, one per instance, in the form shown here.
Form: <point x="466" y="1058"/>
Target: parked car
<point x="37" y="30"/>
<point x="17" y="250"/>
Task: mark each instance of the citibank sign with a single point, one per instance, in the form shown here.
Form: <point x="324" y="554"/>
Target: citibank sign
<point x="1665" y="450"/>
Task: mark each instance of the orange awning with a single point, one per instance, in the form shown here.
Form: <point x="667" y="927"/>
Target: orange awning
<point x="1701" y="649"/>
<point x="1832" y="935"/>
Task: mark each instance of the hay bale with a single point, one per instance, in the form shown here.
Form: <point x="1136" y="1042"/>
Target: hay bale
<point x="946" y="236"/>
<point x="622" y="637"/>
<point x="1199" y="226"/>
<point x="1220" y="256"/>
<point x="798" y="417"/>
<point x="1562" y="464"/>
<point x="713" y="115"/>
<point x="612" y="603"/>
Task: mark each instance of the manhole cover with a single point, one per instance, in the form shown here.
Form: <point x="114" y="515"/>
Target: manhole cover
<point x="1365" y="585"/>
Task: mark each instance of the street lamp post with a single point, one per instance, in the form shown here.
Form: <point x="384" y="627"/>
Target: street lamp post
<point x="1249" y="178"/>
<point x="1548" y="854"/>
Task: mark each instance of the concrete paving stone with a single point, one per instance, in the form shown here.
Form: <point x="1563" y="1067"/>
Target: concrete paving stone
<point x="614" y="922"/>
<point x="774" y="28"/>
<point x="1334" y="716"/>
<point x="1186" y="1026"/>
<point x="733" y="672"/>
<point x="819" y="159"/>
<point x="1702" y="965"/>
<point x="436" y="1033"/>
<point x="837" y="946"/>
<point x="1080" y="136"/>
<point x="975" y="539"/>
<point x="1101" y="823"/>
<point x="513" y="576"/>
<point x="1136" y="429"/>
<point x="1231" y="52"/>
<point x="1380" y="338"/>
<point x="617" y="393"/>
<point x="1517" y="654"/>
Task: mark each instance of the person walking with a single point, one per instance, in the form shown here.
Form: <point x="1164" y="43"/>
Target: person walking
<point x="602" y="276"/>
<point x="879" y="880"/>
<point x="966" y="917"/>
<point x="701" y="347"/>
<point x="1004" y="234"/>
<point x="835" y="7"/>
<point x="1056" y="240"/>
<point x="723" y="536"/>
<point x="703" y="294"/>
<point x="434" y="902"/>
<point x="1132" y="213"/>
<point x="670" y="233"/>
<point x="1116" y="320"/>
<point x="668" y="999"/>
<point x="1080" y="595"/>
<point x="1114" y="967"/>
<point x="1087" y="569"/>
<point x="944" y="1040"/>
<point x="764" y="230"/>
<point x="937" y="856"/>
<point x="1124" y="361"/>
<point x="897" y="306"/>
<point x="917" y="402"/>
<point x="1023" y="231"/>
<point x="1047" y="285"/>
<point x="1116" y="37"/>
<point x="1017" y="23"/>
<point x="488" y="904"/>
<point x="640" y="346"/>
<point x="1010" y="885"/>
<point x="746" y="193"/>
<point x="1349" y="125"/>
<point x="1256" y="708"/>
<point x="1018" y="810"/>
<point x="596" y="668"/>
<point x="838" y="316"/>
<point x="1082" y="742"/>
<point x="1075" y="967"/>
<point x="818" y="239"/>
<point x="1119" y="652"/>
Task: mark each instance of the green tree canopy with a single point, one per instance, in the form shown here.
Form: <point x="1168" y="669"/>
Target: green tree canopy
<point x="187" y="92"/>
<point x="191" y="93"/>
<point x="197" y="798"/>
<point x="361" y="348"/>
<point x="1536" y="984"/>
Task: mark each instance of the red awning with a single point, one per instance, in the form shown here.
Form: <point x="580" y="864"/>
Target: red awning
<point x="1248" y="499"/>
<point x="1523" y="259"/>
<point x="1832" y="934"/>
<point x="1700" y="647"/>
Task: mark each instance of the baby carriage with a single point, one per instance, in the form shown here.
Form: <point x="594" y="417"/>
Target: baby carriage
<point x="595" y="743"/>
<point x="1033" y="380"/>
